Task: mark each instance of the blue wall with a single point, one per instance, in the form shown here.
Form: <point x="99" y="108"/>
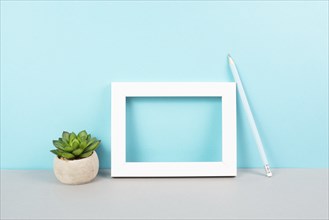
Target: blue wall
<point x="179" y="129"/>
<point x="58" y="58"/>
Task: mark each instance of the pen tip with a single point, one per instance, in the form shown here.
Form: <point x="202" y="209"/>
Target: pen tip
<point x="228" y="55"/>
<point x="268" y="171"/>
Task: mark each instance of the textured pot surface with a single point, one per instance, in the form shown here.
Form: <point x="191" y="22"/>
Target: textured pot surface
<point x="76" y="171"/>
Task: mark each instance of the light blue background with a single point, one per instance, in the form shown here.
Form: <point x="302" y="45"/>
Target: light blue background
<point x="58" y="58"/>
<point x="167" y="129"/>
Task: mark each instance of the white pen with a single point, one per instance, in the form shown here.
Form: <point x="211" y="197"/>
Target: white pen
<point x="249" y="115"/>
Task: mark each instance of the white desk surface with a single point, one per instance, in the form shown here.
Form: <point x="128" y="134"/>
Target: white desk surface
<point x="289" y="194"/>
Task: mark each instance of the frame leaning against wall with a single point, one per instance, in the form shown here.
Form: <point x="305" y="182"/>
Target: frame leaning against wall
<point x="121" y="90"/>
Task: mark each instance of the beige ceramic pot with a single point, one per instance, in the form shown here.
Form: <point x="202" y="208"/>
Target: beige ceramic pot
<point x="76" y="171"/>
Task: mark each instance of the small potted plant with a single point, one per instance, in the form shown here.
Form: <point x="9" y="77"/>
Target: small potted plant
<point x="76" y="161"/>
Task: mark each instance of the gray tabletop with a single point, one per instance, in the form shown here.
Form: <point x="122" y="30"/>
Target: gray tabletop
<point x="289" y="194"/>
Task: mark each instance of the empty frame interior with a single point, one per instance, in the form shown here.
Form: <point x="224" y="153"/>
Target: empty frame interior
<point x="173" y="129"/>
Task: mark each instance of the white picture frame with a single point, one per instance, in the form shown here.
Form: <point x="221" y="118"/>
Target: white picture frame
<point x="121" y="90"/>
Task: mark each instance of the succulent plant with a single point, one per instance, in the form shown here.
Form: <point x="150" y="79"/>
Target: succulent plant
<point x="71" y="146"/>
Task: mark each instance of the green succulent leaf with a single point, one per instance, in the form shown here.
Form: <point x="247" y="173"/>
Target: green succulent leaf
<point x="77" y="152"/>
<point x="91" y="141"/>
<point x="83" y="135"/>
<point x="93" y="146"/>
<point x="66" y="136"/>
<point x="65" y="144"/>
<point x="58" y="153"/>
<point x="72" y="137"/>
<point x="68" y="155"/>
<point x="88" y="137"/>
<point x="87" y="154"/>
<point x="75" y="143"/>
<point x="83" y="144"/>
<point x="68" y="149"/>
<point x="58" y="144"/>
